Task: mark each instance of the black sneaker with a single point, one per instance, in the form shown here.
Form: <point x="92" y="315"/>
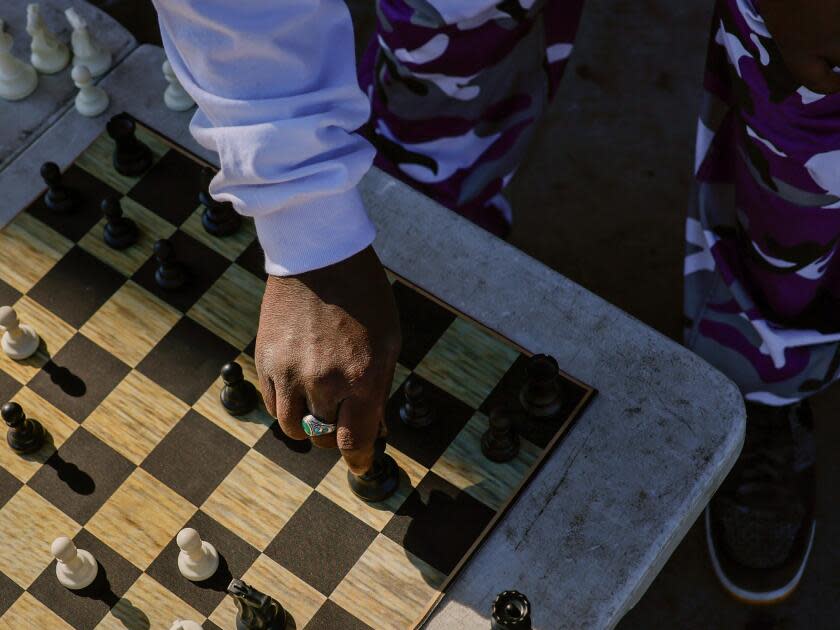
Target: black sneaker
<point x="760" y="524"/>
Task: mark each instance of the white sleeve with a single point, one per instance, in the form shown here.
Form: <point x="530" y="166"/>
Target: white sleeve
<point x="275" y="83"/>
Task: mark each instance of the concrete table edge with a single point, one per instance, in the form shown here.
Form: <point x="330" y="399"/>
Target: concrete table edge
<point x="598" y="522"/>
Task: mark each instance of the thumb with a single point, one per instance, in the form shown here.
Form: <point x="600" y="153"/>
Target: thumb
<point x="816" y="73"/>
<point x="360" y="422"/>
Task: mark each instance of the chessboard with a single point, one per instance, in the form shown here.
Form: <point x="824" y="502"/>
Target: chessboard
<point x="126" y="383"/>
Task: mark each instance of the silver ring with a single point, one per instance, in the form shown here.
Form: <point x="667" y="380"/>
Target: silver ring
<point x="314" y="427"/>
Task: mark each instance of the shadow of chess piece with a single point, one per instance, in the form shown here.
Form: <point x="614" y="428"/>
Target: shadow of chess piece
<point x="58" y="197"/>
<point x="511" y="610"/>
<point x="131" y="157"/>
<point x="170" y="273"/>
<point x="542" y="395"/>
<point x="69" y="383"/>
<point x="119" y="231"/>
<point x="500" y="442"/>
<point x="415" y="411"/>
<point x="76" y="479"/>
<point x="219" y="218"/>
<point x="238" y="396"/>
<point x="255" y="610"/>
<point x="24" y="435"/>
<point x="381" y="481"/>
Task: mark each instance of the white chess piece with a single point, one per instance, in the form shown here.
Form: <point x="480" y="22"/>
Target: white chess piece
<point x="86" y="50"/>
<point x="19" y="341"/>
<point x="198" y="560"/>
<point x="17" y="78"/>
<point x="76" y="568"/>
<point x="48" y="55"/>
<point x="175" y="96"/>
<point x="91" y="99"/>
<point x="185" y="624"/>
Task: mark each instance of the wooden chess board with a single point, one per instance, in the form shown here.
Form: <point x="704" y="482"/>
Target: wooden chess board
<point x="126" y="382"/>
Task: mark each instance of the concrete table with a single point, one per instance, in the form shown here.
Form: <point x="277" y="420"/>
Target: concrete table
<point x="612" y="502"/>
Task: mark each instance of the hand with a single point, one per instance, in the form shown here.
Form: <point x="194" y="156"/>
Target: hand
<point x="327" y="344"/>
<point x="807" y="33"/>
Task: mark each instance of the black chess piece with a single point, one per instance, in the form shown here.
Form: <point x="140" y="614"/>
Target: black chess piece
<point x="131" y="157"/>
<point x="219" y="218"/>
<point x="238" y="396"/>
<point x="119" y="232"/>
<point x="170" y="273"/>
<point x="24" y="435"/>
<point x="58" y="197"/>
<point x="255" y="610"/>
<point x="542" y="394"/>
<point x="381" y="481"/>
<point x="415" y="410"/>
<point x="511" y="610"/>
<point x="500" y="442"/>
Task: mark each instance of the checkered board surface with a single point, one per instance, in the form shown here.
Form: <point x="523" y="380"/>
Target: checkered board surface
<point x="126" y="383"/>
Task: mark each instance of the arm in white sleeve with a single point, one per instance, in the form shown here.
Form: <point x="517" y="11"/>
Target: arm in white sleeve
<point x="275" y="83"/>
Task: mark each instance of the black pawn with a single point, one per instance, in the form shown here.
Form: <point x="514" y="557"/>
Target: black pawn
<point x="238" y="396"/>
<point x="415" y="410"/>
<point x="542" y="394"/>
<point x="170" y="274"/>
<point x="381" y="481"/>
<point x="500" y="442"/>
<point x="24" y="435"/>
<point x="58" y="197"/>
<point x="511" y="610"/>
<point x="219" y="218"/>
<point x="120" y="232"/>
<point x="131" y="157"/>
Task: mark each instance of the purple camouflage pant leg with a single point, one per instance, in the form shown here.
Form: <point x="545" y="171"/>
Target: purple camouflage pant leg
<point x="762" y="281"/>
<point x="456" y="87"/>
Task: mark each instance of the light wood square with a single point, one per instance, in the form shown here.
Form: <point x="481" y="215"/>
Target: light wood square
<point x="256" y="499"/>
<point x="152" y="512"/>
<point x="148" y="604"/>
<point x="151" y="228"/>
<point x="464" y="466"/>
<point x="30" y="249"/>
<point x="28" y="525"/>
<point x="299" y="599"/>
<point x="231" y="247"/>
<point x="28" y="612"/>
<point x="98" y="158"/>
<point x="467" y="362"/>
<point x="400" y="375"/>
<point x="377" y="515"/>
<point x="58" y="425"/>
<point x="388" y="587"/>
<point x="231" y="307"/>
<point x="135" y="417"/>
<point x="249" y="427"/>
<point x="131" y="323"/>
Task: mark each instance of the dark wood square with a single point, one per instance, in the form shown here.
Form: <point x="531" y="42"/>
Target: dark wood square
<point x="76" y="287"/>
<point x="209" y="625"/>
<point x="170" y="188"/>
<point x="235" y="558"/>
<point x="203" y="267"/>
<point x="81" y="475"/>
<point x="9" y="485"/>
<point x="438" y="523"/>
<point x="85" y="608"/>
<point x="194" y="457"/>
<point x="331" y="616"/>
<point x="422" y="320"/>
<point x="187" y="360"/>
<point x="253" y="259"/>
<point x="426" y="445"/>
<point x="308" y="463"/>
<point x="8" y="387"/>
<point x="79" y="377"/>
<point x="89" y="192"/>
<point x="8" y="294"/>
<point x="9" y="592"/>
<point x="321" y="543"/>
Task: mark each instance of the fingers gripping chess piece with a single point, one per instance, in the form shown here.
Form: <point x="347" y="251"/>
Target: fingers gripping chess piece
<point x="500" y="442"/>
<point x="238" y="396"/>
<point x="58" y="197"/>
<point x="511" y="610"/>
<point x="91" y="99"/>
<point x="198" y="560"/>
<point x="48" y="54"/>
<point x="175" y="96"/>
<point x="86" y="50"/>
<point x="20" y="341"/>
<point x="76" y="568"/>
<point x="17" y="78"/>
<point x="119" y="232"/>
<point x="255" y="610"/>
<point x="542" y="394"/>
<point x="24" y="435"/>
<point x="381" y="481"/>
<point x="185" y="624"/>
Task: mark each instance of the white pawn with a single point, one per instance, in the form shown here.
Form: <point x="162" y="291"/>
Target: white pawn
<point x="20" y="341"/>
<point x="91" y="100"/>
<point x="48" y="54"/>
<point x="185" y="624"/>
<point x="175" y="96"/>
<point x="76" y="568"/>
<point x="17" y="78"/>
<point x="198" y="560"/>
<point x="86" y="50"/>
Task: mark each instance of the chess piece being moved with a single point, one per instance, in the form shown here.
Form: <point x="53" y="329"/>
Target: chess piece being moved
<point x="86" y="50"/>
<point x="415" y="410"/>
<point x="500" y="442"/>
<point x="175" y="96"/>
<point x="185" y="624"/>
<point x="58" y="197"/>
<point x="19" y="341"/>
<point x="76" y="568"/>
<point x="24" y="435"/>
<point x="238" y="396"/>
<point x="542" y="394"/>
<point x="381" y="481"/>
<point x="131" y="157"/>
<point x="219" y="218"/>
<point x="170" y="273"/>
<point x="47" y="54"/>
<point x="119" y="231"/>
<point x="91" y="99"/>
<point x="255" y="610"/>
<point x="198" y="560"/>
<point x="17" y="78"/>
<point x="511" y="610"/>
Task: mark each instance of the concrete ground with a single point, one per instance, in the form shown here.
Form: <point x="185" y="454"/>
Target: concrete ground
<point x="601" y="198"/>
